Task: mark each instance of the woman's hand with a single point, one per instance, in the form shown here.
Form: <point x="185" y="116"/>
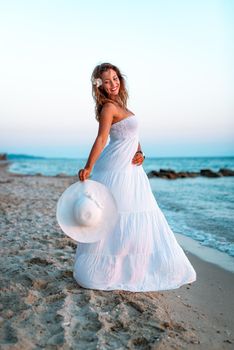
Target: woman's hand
<point x="84" y="174"/>
<point x="138" y="158"/>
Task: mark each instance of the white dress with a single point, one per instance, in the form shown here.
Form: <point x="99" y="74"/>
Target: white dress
<point x="141" y="254"/>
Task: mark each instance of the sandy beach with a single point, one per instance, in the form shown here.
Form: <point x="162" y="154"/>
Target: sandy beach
<point x="42" y="306"/>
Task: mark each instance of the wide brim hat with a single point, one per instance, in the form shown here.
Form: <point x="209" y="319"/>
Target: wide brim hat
<point x="87" y="211"/>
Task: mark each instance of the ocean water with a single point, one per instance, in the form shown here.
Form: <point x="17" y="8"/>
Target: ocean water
<point x="201" y="208"/>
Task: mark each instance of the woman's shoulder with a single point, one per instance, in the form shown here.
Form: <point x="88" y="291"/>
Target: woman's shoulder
<point x="114" y="109"/>
<point x="109" y="107"/>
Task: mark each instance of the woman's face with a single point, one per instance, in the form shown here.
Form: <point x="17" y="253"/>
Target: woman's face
<point x="110" y="82"/>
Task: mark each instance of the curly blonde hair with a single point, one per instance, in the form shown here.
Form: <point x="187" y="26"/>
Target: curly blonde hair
<point x="99" y="94"/>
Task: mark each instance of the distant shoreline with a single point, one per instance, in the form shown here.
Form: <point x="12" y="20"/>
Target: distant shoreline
<point x="169" y="174"/>
<point x="15" y="156"/>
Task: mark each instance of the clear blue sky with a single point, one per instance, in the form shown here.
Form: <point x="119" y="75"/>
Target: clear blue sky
<point x="177" y="57"/>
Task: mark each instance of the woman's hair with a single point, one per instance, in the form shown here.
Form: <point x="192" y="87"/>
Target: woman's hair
<point x="99" y="94"/>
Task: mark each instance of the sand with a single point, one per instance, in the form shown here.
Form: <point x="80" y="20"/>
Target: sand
<point x="42" y="306"/>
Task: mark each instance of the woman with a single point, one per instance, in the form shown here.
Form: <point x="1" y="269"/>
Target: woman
<point x="141" y="253"/>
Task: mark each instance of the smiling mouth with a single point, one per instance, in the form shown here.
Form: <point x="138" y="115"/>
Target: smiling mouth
<point x="114" y="88"/>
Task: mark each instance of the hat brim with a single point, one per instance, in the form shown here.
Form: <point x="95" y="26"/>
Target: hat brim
<point x="65" y="206"/>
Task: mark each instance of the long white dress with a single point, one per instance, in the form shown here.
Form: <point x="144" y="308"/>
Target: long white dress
<point x="141" y="254"/>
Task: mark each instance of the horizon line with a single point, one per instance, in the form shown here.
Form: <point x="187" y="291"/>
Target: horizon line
<point x="149" y="157"/>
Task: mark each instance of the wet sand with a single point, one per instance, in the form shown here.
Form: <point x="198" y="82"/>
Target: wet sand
<point x="42" y="306"/>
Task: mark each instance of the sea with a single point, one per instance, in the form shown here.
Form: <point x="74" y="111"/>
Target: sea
<point x="201" y="208"/>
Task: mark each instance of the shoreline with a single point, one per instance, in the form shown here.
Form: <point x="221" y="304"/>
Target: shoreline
<point x="189" y="244"/>
<point x="43" y="307"/>
<point x="207" y="254"/>
<point x="167" y="174"/>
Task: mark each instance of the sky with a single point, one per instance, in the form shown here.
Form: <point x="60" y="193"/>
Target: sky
<point x="177" y="57"/>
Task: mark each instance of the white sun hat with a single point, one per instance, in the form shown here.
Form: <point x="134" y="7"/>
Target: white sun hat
<point x="87" y="211"/>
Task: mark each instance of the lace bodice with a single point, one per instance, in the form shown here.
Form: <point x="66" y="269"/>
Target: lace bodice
<point x="117" y="155"/>
<point x="125" y="128"/>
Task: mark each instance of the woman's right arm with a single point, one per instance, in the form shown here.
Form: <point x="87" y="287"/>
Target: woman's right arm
<point x="105" y="121"/>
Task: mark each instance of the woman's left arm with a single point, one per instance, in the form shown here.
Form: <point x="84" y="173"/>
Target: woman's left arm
<point x="139" y="156"/>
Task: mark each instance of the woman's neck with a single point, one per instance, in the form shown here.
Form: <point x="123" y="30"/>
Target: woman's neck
<point x="117" y="100"/>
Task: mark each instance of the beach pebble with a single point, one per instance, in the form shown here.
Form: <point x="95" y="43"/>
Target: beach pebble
<point x="195" y="341"/>
<point x="9" y="313"/>
<point x="56" y="339"/>
<point x="40" y="284"/>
